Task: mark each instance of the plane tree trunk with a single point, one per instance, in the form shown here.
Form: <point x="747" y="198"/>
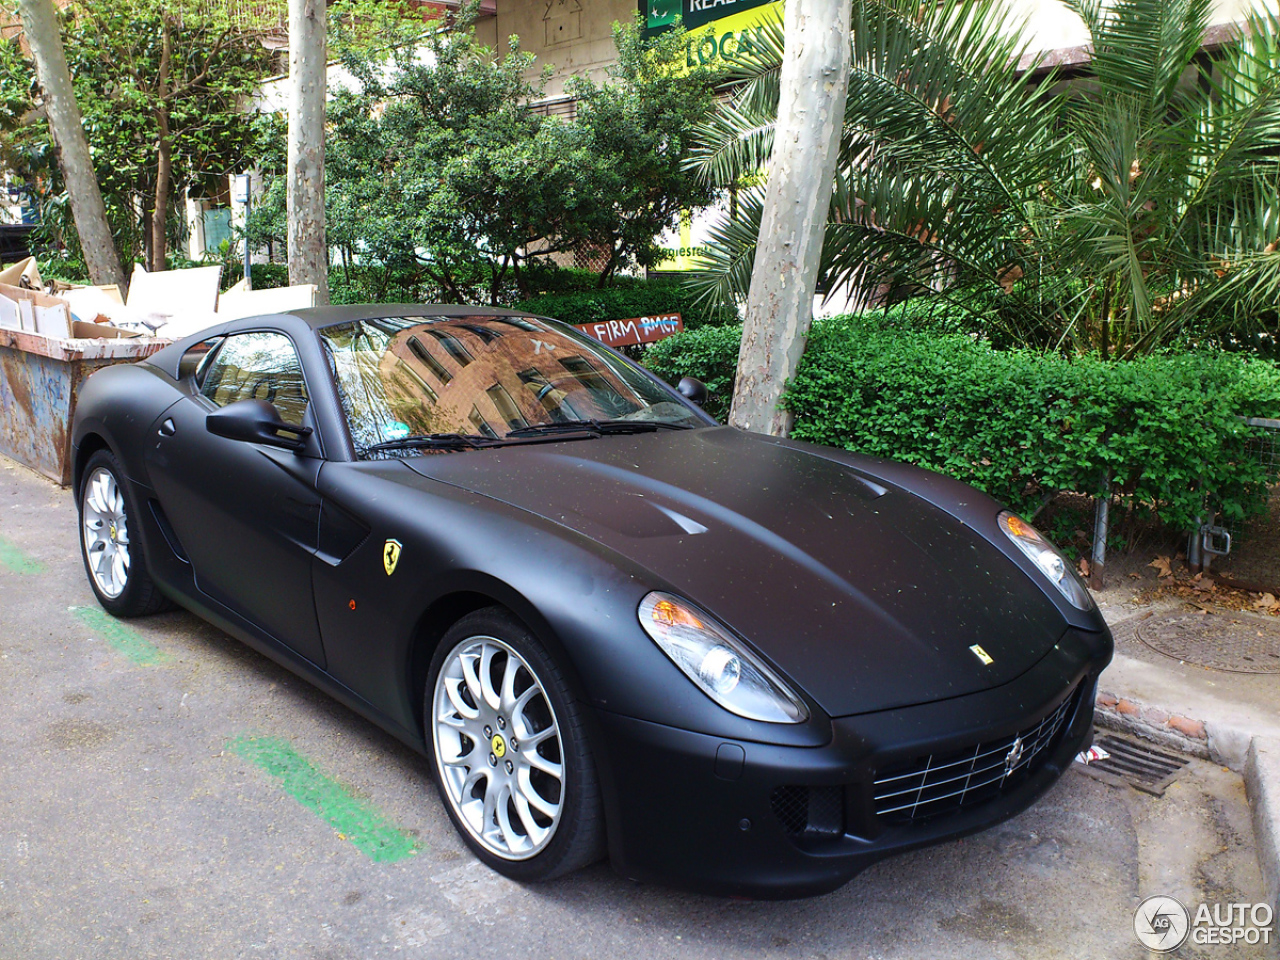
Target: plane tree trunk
<point x="308" y="249"/>
<point x="40" y="24"/>
<point x="164" y="156"/>
<point x="814" y="84"/>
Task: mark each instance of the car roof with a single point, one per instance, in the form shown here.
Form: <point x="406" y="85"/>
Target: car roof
<point x="320" y="317"/>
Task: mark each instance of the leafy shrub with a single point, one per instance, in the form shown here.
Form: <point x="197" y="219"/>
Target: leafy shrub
<point x="708" y="353"/>
<point x="268" y="275"/>
<point x="635" y="299"/>
<point x="371" y="284"/>
<point x="358" y="284"/>
<point x="61" y="267"/>
<point x="542" y="278"/>
<point x="1019" y="424"/>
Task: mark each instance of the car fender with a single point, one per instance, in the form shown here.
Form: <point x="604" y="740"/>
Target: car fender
<point x="119" y="403"/>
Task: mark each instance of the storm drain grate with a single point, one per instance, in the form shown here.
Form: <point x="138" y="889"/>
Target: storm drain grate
<point x="1137" y="764"/>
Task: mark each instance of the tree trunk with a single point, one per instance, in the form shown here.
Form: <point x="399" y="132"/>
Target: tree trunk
<point x="814" y="81"/>
<point x="164" y="157"/>
<point x="308" y="250"/>
<point x="40" y="22"/>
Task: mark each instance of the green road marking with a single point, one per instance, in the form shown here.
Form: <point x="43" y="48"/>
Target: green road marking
<point x="356" y="820"/>
<point x="14" y="559"/>
<point x="124" y="640"/>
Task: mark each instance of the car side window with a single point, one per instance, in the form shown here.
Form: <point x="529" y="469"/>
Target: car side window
<point x="258" y="366"/>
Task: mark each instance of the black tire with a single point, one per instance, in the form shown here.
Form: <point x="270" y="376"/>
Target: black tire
<point x="138" y="595"/>
<point x="577" y="834"/>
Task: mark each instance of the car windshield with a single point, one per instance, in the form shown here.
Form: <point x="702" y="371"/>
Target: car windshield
<point x="412" y="384"/>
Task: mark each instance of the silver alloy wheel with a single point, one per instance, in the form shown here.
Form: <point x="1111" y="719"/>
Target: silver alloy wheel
<point x="106" y="532"/>
<point x="498" y="749"/>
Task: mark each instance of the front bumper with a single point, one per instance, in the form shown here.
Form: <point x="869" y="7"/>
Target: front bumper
<point x="765" y="821"/>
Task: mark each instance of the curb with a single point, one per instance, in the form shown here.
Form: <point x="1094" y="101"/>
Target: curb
<point x="1256" y="757"/>
<point x="1206" y="739"/>
<point x="1262" y="784"/>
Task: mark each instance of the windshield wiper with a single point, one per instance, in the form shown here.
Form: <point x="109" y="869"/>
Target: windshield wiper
<point x="541" y="432"/>
<point x="436" y="441"/>
<point x="596" y="427"/>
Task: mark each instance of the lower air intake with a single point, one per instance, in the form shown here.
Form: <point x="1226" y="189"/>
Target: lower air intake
<point x="809" y="811"/>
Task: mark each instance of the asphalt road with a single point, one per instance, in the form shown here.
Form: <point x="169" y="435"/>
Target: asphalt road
<point x="166" y="792"/>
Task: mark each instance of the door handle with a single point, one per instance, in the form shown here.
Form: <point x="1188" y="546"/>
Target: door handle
<point x="167" y="429"/>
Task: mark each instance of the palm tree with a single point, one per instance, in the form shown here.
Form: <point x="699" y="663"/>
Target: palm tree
<point x="1117" y="210"/>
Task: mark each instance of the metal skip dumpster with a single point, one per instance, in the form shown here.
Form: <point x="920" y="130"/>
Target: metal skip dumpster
<point x="40" y="378"/>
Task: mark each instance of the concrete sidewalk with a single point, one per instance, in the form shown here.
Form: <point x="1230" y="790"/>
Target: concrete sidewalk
<point x="1229" y="718"/>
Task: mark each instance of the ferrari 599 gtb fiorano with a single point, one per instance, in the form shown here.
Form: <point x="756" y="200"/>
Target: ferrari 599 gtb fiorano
<point x="727" y="661"/>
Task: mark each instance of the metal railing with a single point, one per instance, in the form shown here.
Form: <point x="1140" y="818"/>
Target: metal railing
<point x="1212" y="539"/>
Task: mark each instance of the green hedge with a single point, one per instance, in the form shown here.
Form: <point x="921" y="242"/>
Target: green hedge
<point x="377" y="284"/>
<point x="635" y="299"/>
<point x="708" y="353"/>
<point x="1016" y="423"/>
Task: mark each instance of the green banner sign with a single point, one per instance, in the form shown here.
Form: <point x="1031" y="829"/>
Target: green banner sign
<point x="660" y="14"/>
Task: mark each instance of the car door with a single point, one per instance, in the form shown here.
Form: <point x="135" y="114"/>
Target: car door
<point x="246" y="513"/>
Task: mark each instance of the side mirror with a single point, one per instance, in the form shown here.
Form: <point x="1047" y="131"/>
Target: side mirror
<point x="258" y="422"/>
<point x="693" y="390"/>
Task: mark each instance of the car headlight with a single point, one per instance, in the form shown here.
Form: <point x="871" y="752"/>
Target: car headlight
<point x="1046" y="556"/>
<point x="719" y="664"/>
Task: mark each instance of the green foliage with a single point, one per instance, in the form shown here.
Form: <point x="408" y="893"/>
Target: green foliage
<point x="370" y="283"/>
<point x="268" y="275"/>
<point x="709" y="354"/>
<point x="144" y="71"/>
<point x="364" y="284"/>
<point x="1016" y="423"/>
<point x="436" y="165"/>
<point x="66" y="269"/>
<point x="640" y="299"/>
<point x="1134" y="208"/>
<point x="639" y="129"/>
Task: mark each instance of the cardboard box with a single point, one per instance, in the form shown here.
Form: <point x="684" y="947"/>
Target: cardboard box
<point x="236" y="304"/>
<point x="174" y="292"/>
<point x="37" y="312"/>
<point x="84" y="330"/>
<point x="23" y="274"/>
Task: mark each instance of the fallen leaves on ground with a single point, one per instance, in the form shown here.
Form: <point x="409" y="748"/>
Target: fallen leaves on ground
<point x="1200" y="590"/>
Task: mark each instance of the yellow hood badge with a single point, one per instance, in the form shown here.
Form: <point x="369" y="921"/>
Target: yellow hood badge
<point x="986" y="658"/>
<point x="391" y="555"/>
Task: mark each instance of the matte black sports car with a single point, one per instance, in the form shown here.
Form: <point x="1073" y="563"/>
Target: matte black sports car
<point x="730" y="661"/>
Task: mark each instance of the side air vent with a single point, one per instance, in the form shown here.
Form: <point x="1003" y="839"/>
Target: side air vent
<point x="166" y="530"/>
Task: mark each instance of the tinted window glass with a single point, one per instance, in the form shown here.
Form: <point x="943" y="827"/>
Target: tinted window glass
<point x="258" y="366"/>
<point x="483" y="376"/>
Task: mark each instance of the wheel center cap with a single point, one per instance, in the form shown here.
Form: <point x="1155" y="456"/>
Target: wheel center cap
<point x="113" y="531"/>
<point x="498" y="745"/>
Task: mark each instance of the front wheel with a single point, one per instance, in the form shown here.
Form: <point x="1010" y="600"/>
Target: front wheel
<point x="510" y="750"/>
<point x="111" y="550"/>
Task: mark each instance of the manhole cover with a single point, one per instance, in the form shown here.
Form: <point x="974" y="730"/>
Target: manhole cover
<point x="1246" y="646"/>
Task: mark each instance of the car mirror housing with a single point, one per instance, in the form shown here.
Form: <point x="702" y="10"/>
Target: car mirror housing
<point x="693" y="390"/>
<point x="258" y="422"/>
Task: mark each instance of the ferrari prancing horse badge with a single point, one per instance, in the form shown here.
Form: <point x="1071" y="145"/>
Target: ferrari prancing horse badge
<point x="391" y="555"/>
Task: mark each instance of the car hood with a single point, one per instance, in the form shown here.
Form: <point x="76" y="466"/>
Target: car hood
<point x="864" y="594"/>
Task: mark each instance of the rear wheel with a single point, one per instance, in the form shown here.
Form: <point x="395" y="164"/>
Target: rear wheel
<point x="112" y="556"/>
<point x="510" y="750"/>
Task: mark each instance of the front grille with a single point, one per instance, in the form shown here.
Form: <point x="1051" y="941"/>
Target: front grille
<point x="928" y="786"/>
<point x="809" y="811"/>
